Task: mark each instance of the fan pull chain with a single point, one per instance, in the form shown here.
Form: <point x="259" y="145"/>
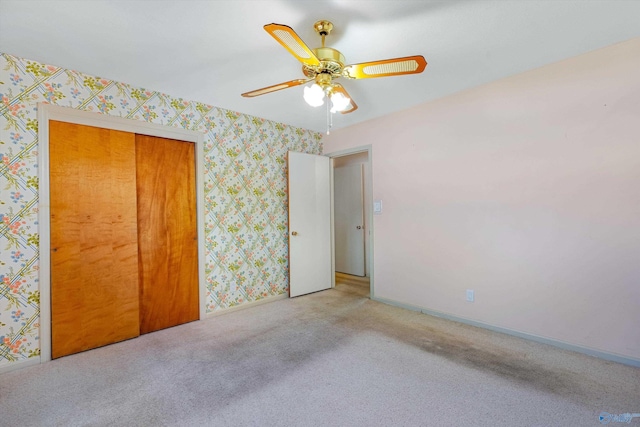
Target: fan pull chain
<point x="329" y="118"/>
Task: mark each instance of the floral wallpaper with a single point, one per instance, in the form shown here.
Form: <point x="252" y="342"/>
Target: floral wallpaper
<point x="245" y="189"/>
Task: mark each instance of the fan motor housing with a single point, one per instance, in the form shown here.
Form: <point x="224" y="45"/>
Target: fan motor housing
<point x="331" y="62"/>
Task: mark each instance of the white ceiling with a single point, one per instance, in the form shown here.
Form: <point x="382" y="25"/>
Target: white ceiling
<point x="213" y="50"/>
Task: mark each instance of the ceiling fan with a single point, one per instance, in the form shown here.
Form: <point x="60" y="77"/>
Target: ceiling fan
<point x="324" y="65"/>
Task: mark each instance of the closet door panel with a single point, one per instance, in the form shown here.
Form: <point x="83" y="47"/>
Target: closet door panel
<point x="94" y="257"/>
<point x="167" y="232"/>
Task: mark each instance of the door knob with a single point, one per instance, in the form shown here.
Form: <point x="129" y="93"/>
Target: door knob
<point x="294" y="233"/>
<point x="359" y="227"/>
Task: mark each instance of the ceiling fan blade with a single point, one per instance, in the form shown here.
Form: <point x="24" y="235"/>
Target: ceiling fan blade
<point x="337" y="87"/>
<point x="290" y="40"/>
<point x="275" y="88"/>
<point x="387" y="67"/>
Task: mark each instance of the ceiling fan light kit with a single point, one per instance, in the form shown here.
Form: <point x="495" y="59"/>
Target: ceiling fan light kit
<point x="323" y="65"/>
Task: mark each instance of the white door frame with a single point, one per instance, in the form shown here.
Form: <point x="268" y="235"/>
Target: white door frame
<point x="47" y="112"/>
<point x="368" y="183"/>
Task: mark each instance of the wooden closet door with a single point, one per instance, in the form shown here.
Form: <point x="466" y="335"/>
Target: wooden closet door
<point x="167" y="232"/>
<point x="94" y="258"/>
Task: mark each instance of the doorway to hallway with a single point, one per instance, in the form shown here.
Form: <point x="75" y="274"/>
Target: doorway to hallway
<point x="354" y="285"/>
<point x="351" y="197"/>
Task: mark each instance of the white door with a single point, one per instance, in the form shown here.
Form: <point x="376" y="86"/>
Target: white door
<point x="348" y="213"/>
<point x="309" y="223"/>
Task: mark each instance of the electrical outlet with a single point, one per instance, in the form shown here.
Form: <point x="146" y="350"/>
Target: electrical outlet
<point x="470" y="295"/>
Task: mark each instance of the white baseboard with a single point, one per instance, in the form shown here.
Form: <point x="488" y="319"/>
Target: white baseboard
<point x="247" y="305"/>
<point x="13" y="366"/>
<point x="625" y="360"/>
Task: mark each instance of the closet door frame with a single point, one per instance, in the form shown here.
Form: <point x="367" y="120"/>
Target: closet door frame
<point x="47" y="112"/>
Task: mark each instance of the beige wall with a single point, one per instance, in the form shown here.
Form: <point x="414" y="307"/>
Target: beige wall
<point x="526" y="190"/>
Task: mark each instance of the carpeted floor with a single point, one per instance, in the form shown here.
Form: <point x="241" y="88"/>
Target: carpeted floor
<point x="334" y="358"/>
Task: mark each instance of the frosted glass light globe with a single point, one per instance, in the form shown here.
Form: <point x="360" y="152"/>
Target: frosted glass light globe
<point x="314" y="95"/>
<point x="339" y="102"/>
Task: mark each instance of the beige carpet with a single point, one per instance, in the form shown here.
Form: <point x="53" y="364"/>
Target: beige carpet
<point x="332" y="358"/>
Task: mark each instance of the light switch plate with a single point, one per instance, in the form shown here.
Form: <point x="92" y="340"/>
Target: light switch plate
<point x="377" y="207"/>
<point x="470" y="295"/>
